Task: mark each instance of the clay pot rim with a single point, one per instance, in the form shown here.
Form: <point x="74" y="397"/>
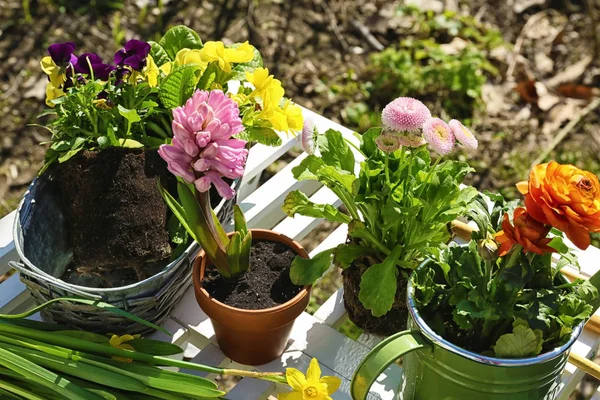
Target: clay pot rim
<point x="196" y="272"/>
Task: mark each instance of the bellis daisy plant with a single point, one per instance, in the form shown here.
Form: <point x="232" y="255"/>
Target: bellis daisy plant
<point x="396" y="206"/>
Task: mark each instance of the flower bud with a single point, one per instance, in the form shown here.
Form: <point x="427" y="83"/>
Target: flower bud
<point x="488" y="249"/>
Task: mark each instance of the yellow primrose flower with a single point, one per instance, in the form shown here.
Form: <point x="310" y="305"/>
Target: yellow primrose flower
<point x="311" y="386"/>
<point x="151" y="71"/>
<point x="52" y="92"/>
<point x="189" y="56"/>
<point x="216" y="51"/>
<point x="239" y="98"/>
<point x="276" y="117"/>
<point x="293" y="113"/>
<point x="53" y="71"/>
<point x="119" y="342"/>
<point x="263" y="82"/>
<point x="166" y="67"/>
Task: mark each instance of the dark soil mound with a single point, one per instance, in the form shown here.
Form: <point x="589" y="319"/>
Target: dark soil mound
<point x="266" y="284"/>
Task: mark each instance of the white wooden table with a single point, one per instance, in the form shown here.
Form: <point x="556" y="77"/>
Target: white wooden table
<point x="313" y="335"/>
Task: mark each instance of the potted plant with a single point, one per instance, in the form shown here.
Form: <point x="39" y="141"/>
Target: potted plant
<point x="396" y="207"/>
<point x="241" y="279"/>
<point x="495" y="314"/>
<point x="79" y="226"/>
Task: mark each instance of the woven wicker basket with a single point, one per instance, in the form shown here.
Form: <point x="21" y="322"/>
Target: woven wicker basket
<point x="42" y="244"/>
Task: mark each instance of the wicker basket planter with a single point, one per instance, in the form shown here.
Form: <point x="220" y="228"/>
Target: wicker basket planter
<point x="42" y="244"/>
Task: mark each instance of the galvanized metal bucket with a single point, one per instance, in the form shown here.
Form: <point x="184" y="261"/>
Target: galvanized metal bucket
<point x="41" y="241"/>
<point x="434" y="368"/>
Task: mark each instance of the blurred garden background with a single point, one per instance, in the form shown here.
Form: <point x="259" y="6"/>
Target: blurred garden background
<point x="523" y="74"/>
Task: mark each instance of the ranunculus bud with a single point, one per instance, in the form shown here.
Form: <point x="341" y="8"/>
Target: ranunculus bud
<point x="488" y="249"/>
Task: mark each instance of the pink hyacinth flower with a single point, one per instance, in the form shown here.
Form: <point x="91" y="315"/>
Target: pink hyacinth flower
<point x="439" y="135"/>
<point x="463" y="134"/>
<point x="405" y="114"/>
<point x="203" y="150"/>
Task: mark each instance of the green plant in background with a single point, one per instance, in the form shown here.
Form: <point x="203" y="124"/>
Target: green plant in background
<point x="448" y="77"/>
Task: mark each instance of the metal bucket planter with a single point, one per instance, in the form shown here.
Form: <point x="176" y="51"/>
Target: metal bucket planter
<point x="42" y="244"/>
<point x="434" y="368"/>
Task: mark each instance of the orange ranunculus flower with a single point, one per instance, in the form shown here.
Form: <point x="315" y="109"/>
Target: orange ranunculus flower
<point x="526" y="231"/>
<point x="565" y="197"/>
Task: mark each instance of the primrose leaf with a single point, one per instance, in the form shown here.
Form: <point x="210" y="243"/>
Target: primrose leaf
<point x="178" y="86"/>
<point x="335" y="151"/>
<point x="260" y="134"/>
<point x="378" y="285"/>
<point x="297" y="202"/>
<point x="177" y="38"/>
<point x="158" y="53"/>
<point x="305" y="271"/>
<point x="523" y="342"/>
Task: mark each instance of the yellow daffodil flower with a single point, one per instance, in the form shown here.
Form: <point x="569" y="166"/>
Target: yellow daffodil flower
<point x="120" y="342"/>
<point x="52" y="92"/>
<point x="53" y="71"/>
<point x="311" y="386"/>
<point x="216" y="51"/>
<point x="293" y="113"/>
<point x="151" y="71"/>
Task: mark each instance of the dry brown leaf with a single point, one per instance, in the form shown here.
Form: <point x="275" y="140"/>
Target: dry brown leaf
<point x="527" y="91"/>
<point x="575" y="91"/>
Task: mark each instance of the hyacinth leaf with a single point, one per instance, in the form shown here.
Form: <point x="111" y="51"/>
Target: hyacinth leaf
<point x="158" y="53"/>
<point x="177" y="209"/>
<point x="233" y="253"/>
<point x="297" y="202"/>
<point x="335" y="151"/>
<point x="95" y="303"/>
<point x="305" y="271"/>
<point x="44" y="377"/>
<point x="378" y="284"/>
<point x="239" y="221"/>
<point x="260" y="134"/>
<point x="178" y="86"/>
<point x="177" y="38"/>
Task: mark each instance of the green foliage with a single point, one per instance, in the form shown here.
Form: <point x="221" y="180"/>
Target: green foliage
<point x="510" y="306"/>
<point x="178" y="86"/>
<point x="397" y="207"/>
<point x="177" y="38"/>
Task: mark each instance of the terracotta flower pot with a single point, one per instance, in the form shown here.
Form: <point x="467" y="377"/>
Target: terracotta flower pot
<point x="251" y="337"/>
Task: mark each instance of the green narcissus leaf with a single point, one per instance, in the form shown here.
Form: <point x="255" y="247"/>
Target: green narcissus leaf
<point x="177" y="38"/>
<point x="178" y="86"/>
<point x="306" y="271"/>
<point x="297" y="202"/>
<point x="378" y="284"/>
<point x="158" y="53"/>
<point x="522" y="342"/>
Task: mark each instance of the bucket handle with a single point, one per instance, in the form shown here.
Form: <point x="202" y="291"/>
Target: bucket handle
<point x="381" y="357"/>
<point x="56" y="282"/>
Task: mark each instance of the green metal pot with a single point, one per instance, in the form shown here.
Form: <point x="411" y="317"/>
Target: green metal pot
<point x="435" y="369"/>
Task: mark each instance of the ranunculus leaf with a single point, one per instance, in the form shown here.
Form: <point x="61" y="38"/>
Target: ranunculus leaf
<point x="297" y="202"/>
<point x="177" y="38"/>
<point x="305" y="271"/>
<point x="523" y="342"/>
<point x="559" y="245"/>
<point x="378" y="284"/>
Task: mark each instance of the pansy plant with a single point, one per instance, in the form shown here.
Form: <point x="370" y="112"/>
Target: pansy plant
<point x="397" y="204"/>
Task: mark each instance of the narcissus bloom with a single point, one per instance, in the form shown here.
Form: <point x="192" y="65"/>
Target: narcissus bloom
<point x="526" y="231"/>
<point x="120" y="342"/>
<point x="203" y="151"/>
<point x="439" y="135"/>
<point x="388" y="142"/>
<point x="463" y="135"/>
<point x="216" y="51"/>
<point x="311" y="386"/>
<point x="405" y="114"/>
<point x="566" y="197"/>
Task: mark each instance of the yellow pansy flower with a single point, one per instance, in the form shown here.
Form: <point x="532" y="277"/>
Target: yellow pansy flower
<point x="293" y="113"/>
<point x="189" y="56"/>
<point x="216" y="51"/>
<point x="53" y="71"/>
<point x="311" y="386"/>
<point x="151" y="71"/>
<point x="119" y="342"/>
<point x="52" y="92"/>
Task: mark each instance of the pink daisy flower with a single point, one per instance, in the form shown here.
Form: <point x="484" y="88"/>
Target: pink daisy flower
<point x="405" y="114"/>
<point x="439" y="135"/>
<point x="309" y="136"/>
<point x="463" y="134"/>
<point x="388" y="142"/>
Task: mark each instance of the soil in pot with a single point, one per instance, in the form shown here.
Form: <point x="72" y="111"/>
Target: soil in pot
<point x="115" y="214"/>
<point x="266" y="284"/>
<point x="394" y="321"/>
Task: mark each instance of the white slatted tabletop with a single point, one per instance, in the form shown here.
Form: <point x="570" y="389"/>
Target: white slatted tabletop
<point x="313" y="335"/>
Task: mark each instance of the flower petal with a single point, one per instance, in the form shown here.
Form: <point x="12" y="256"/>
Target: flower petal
<point x="333" y="383"/>
<point x="313" y="374"/>
<point x="290" y="396"/>
<point x="295" y="379"/>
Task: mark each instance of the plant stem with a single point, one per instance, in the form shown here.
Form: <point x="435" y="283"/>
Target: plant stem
<point x="429" y="174"/>
<point x="267" y="376"/>
<point x="355" y="147"/>
<point x="387" y="169"/>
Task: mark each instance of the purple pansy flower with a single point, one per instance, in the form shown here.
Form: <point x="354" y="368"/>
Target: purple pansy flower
<point x="101" y="70"/>
<point x="62" y="53"/>
<point x="133" y="54"/>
